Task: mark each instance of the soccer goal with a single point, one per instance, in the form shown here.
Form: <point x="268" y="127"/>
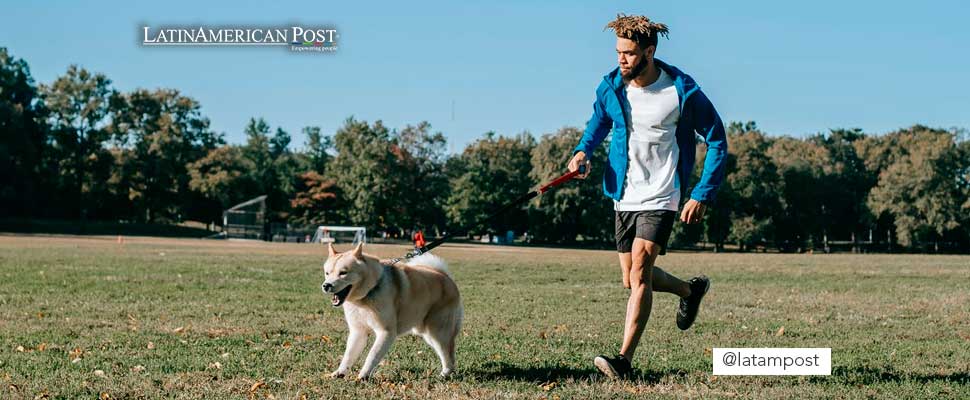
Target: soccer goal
<point x="340" y="234"/>
<point x="246" y="220"/>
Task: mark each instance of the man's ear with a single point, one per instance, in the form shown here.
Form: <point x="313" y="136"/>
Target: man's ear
<point x="331" y="252"/>
<point x="359" y="250"/>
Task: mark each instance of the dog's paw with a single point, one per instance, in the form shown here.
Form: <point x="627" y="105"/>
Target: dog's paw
<point x="363" y="378"/>
<point x="338" y="374"/>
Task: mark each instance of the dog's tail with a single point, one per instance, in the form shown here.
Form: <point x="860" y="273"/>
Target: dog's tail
<point x="431" y="260"/>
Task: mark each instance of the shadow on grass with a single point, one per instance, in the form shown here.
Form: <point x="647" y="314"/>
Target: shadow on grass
<point x="866" y="375"/>
<point x="548" y="373"/>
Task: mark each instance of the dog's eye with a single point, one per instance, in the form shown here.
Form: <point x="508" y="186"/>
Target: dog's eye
<point x="342" y="273"/>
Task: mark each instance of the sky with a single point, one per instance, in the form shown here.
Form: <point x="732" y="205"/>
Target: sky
<point x="469" y="67"/>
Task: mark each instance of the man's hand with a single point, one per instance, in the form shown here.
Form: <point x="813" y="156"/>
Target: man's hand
<point x="579" y="159"/>
<point x="693" y="211"/>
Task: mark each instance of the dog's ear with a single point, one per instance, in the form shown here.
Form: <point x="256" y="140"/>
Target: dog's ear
<point x="359" y="250"/>
<point x="331" y="252"/>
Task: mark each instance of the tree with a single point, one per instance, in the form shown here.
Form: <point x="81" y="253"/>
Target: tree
<point x="578" y="208"/>
<point x="421" y="184"/>
<point x="274" y="165"/>
<point x="920" y="182"/>
<point x="318" y="148"/>
<point x="752" y="186"/>
<point x="257" y="149"/>
<point x="279" y="144"/>
<point x="315" y="201"/>
<point x="221" y="179"/>
<point x="160" y="133"/>
<point x="79" y="110"/>
<point x="364" y="171"/>
<point x="845" y="185"/>
<point x="23" y="136"/>
<point x="490" y="172"/>
<point x="963" y="181"/>
<point x="801" y="166"/>
<point x="286" y="172"/>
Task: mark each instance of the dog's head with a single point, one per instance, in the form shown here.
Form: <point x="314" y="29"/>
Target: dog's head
<point x="343" y="271"/>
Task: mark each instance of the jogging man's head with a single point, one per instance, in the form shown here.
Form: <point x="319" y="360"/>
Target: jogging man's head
<point x="636" y="42"/>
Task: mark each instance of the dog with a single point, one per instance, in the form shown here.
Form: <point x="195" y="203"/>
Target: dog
<point x="415" y="297"/>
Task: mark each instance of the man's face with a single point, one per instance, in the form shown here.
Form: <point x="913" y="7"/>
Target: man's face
<point x="632" y="58"/>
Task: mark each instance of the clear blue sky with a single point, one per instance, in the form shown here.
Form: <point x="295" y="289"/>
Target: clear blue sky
<point x="794" y="67"/>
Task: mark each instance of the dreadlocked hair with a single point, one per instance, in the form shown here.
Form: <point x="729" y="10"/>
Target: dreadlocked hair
<point x="637" y="28"/>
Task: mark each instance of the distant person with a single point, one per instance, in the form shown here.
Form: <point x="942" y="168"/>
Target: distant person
<point x="419" y="240"/>
<point x="654" y="111"/>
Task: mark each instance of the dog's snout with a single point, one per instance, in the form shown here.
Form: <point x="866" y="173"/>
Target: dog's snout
<point x="327" y="287"/>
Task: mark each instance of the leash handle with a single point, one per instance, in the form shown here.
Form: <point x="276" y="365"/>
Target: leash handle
<point x="558" y="181"/>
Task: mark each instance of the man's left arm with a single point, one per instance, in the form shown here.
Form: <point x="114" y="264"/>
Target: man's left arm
<point x="706" y="122"/>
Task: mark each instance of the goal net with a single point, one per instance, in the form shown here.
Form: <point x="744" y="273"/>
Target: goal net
<point x="340" y="234"/>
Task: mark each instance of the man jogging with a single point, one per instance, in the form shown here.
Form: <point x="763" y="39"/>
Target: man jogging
<point x="654" y="112"/>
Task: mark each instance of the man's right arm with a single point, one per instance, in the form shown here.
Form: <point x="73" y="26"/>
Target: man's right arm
<point x="597" y="128"/>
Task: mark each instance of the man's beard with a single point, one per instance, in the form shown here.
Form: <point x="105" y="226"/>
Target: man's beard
<point x="635" y="71"/>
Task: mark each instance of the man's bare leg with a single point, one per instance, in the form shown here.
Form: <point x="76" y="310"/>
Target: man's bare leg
<point x="626" y="261"/>
<point x="641" y="294"/>
<point x="662" y="281"/>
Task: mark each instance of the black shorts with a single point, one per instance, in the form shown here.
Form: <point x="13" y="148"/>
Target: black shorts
<point x="652" y="225"/>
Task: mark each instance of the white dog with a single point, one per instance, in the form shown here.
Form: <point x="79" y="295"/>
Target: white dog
<point x="418" y="297"/>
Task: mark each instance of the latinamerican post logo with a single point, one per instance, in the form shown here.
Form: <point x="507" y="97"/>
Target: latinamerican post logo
<point x="297" y="38"/>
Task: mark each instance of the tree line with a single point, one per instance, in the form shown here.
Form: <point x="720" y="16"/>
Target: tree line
<point x="79" y="149"/>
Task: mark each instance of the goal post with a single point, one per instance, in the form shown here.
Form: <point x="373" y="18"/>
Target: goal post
<point x="340" y="234"/>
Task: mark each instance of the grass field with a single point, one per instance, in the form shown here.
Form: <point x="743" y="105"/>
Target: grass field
<point x="86" y="317"/>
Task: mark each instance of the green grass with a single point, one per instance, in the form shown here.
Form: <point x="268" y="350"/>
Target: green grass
<point x="210" y="319"/>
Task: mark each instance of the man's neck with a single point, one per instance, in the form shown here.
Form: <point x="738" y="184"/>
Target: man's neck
<point x="649" y="75"/>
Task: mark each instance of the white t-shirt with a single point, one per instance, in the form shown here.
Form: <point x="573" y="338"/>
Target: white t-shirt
<point x="651" y="177"/>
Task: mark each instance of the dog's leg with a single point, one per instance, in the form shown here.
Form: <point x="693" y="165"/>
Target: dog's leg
<point x="356" y="342"/>
<point x="442" y="340"/>
<point x="382" y="343"/>
<point x="441" y="348"/>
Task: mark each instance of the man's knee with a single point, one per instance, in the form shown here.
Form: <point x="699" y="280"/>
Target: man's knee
<point x="641" y="273"/>
<point x="643" y="255"/>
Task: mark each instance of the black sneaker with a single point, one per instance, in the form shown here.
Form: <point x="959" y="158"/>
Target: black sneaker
<point x="614" y="367"/>
<point x="687" y="312"/>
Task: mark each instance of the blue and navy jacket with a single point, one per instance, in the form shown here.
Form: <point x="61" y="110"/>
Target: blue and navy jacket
<point x="697" y="119"/>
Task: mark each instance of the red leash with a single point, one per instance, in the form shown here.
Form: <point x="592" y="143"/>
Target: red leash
<point x="522" y="199"/>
